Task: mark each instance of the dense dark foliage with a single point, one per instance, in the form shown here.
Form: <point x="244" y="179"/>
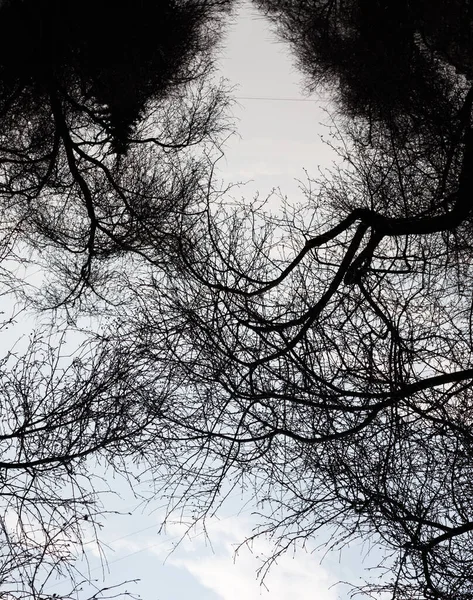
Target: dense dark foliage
<point x="107" y="59"/>
<point x="381" y="58"/>
<point x="84" y="87"/>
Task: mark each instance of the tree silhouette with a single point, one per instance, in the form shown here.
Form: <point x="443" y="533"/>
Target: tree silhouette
<point x="108" y="59"/>
<point x="61" y="418"/>
<point x="108" y="130"/>
<point x="321" y="357"/>
<point x="380" y="58"/>
<point x="327" y="351"/>
<point x="102" y="141"/>
<point x="330" y="366"/>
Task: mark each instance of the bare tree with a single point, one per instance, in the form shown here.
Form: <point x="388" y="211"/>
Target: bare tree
<point x="323" y="357"/>
<point x="105" y="60"/>
<point x="327" y="352"/>
<point x="105" y="148"/>
<point x="84" y="179"/>
<point x="62" y="416"/>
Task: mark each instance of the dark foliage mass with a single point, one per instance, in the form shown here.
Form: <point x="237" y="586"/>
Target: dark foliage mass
<point x="320" y="356"/>
<point x="82" y="87"/>
<point x="382" y="58"/>
<point x="106" y="58"/>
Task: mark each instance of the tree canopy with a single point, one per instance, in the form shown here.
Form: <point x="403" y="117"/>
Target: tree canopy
<point x="381" y="58"/>
<point x="328" y="351"/>
<point x="320" y="356"/>
<point x="109" y="125"/>
<point x="81" y="171"/>
<point x="104" y="59"/>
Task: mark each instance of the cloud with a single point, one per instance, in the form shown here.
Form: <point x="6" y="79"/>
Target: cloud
<point x="211" y="563"/>
<point x="232" y="575"/>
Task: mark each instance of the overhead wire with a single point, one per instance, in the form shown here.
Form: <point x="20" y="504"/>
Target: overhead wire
<point x="145" y="548"/>
<point x="275" y="99"/>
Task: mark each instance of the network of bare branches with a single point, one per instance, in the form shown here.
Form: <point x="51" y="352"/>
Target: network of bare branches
<point x="328" y="352"/>
<point x="66" y="193"/>
<point x="109" y="128"/>
<point x="320" y="356"/>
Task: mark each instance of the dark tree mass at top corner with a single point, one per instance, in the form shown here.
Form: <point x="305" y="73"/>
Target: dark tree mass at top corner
<point x="109" y="57"/>
<point x="99" y="104"/>
<point x="380" y="57"/>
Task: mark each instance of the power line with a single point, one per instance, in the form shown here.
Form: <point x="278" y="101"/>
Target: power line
<point x="166" y="541"/>
<point x="161" y="542"/>
<point x="273" y="98"/>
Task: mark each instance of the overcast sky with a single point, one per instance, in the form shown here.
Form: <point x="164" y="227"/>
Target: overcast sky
<point x="278" y="138"/>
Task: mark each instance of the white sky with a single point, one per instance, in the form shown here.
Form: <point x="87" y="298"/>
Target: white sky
<point x="278" y="139"/>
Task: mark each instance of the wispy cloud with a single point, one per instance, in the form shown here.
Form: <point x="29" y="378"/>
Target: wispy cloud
<point x="232" y="575"/>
